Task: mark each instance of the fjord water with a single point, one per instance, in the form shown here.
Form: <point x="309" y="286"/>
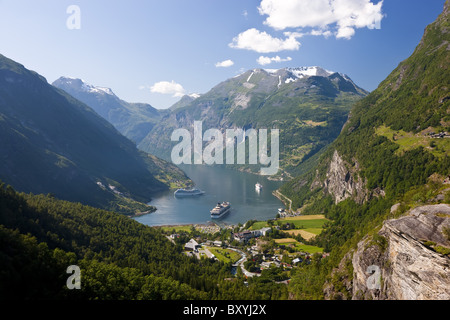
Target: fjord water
<point x="220" y="184"/>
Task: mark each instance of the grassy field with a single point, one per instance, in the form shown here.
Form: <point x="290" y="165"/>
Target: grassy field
<point x="408" y="141"/>
<point x="308" y="248"/>
<point x="186" y="228"/>
<point x="306" y="226"/>
<point x="285" y="241"/>
<point x="308" y="217"/>
<point x="298" y="246"/>
<point x="306" y="234"/>
<point x="258" y="225"/>
<point x="225" y="255"/>
<point x="313" y="222"/>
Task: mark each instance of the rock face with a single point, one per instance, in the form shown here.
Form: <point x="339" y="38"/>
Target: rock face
<point x="401" y="262"/>
<point x="341" y="182"/>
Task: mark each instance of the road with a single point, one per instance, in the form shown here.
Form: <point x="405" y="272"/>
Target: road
<point x="279" y="195"/>
<point x="240" y="263"/>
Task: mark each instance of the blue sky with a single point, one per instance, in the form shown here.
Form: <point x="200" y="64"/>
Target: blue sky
<point x="155" y="51"/>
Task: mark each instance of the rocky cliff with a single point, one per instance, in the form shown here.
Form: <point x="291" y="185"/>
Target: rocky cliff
<point x="408" y="259"/>
<point x="343" y="181"/>
<point x="398" y="258"/>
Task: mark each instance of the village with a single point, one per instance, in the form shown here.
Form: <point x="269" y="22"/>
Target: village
<point x="257" y="248"/>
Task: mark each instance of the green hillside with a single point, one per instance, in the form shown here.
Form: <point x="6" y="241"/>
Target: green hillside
<point x="53" y="143"/>
<point x="119" y="258"/>
<point x="387" y="148"/>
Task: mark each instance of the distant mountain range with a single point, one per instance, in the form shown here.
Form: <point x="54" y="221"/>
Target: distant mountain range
<point x="53" y="143"/>
<point x="309" y="105"/>
<point x="133" y="120"/>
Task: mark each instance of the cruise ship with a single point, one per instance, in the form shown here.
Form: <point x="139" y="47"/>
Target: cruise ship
<point x="220" y="210"/>
<point x="188" y="192"/>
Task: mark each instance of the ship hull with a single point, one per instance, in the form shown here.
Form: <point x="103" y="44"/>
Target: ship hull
<point x="218" y="216"/>
<point x="220" y="210"/>
<point x="181" y="193"/>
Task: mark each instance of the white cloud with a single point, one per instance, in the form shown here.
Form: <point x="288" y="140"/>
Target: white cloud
<point x="165" y="87"/>
<point x="325" y="33"/>
<point x="224" y="64"/>
<point x="262" y="42"/>
<point x="267" y="60"/>
<point x="346" y="33"/>
<point x="344" y="16"/>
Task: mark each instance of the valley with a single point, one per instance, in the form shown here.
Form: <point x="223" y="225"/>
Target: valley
<point x="309" y="104"/>
<point x="359" y="208"/>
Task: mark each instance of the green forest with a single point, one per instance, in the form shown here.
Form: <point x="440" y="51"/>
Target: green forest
<point x="119" y="258"/>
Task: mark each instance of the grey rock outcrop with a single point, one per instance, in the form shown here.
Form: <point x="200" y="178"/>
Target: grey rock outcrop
<point x="342" y="182"/>
<point x="401" y="263"/>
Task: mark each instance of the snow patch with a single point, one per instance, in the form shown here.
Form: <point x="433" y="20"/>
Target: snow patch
<point x="250" y="76"/>
<point x="345" y="76"/>
<point x="308" y="71"/>
<point x="90" y="88"/>
<point x="194" y="95"/>
<point x="289" y="80"/>
<point x="271" y="71"/>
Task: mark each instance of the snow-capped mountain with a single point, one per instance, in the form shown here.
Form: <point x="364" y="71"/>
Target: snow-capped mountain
<point x="82" y="85"/>
<point x="308" y="104"/>
<point x="134" y="120"/>
<point x="302" y="72"/>
<point x="290" y="75"/>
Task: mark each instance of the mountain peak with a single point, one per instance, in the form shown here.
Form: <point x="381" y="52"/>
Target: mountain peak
<point x="299" y="74"/>
<point x="82" y="85"/>
<point x="310" y="71"/>
<point x="302" y="72"/>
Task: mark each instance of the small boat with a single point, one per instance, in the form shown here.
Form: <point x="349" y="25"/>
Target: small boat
<point x="220" y="210"/>
<point x="258" y="187"/>
<point x="188" y="192"/>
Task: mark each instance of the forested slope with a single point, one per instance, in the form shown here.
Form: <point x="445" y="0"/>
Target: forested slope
<point x="119" y="258"/>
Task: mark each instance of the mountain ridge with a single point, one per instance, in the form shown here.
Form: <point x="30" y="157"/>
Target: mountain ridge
<point x="387" y="161"/>
<point x="53" y="143"/>
<point x="309" y="108"/>
<point x="133" y="120"/>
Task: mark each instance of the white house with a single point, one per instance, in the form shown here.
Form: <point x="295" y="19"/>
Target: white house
<point x="265" y="231"/>
<point x="191" y="245"/>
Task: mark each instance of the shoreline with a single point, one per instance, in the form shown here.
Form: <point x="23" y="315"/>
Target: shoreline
<point x="280" y="197"/>
<point x="139" y="214"/>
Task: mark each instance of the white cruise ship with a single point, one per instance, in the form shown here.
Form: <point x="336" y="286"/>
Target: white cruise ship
<point x="188" y="192"/>
<point x="220" y="210"/>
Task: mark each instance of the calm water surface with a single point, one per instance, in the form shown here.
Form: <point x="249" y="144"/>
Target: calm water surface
<point x="220" y="184"/>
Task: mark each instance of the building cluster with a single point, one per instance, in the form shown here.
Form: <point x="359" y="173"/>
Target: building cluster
<point x="247" y="235"/>
<point x="439" y="135"/>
